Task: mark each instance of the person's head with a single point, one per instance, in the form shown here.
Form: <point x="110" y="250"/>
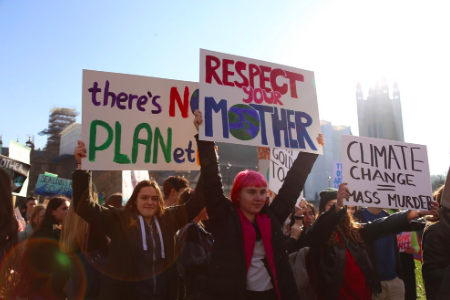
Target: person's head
<point x="437" y="196"/>
<point x="31" y="202"/>
<point x="327" y="198"/>
<point x="146" y="199"/>
<point x="56" y="211"/>
<point x="37" y="215"/>
<point x="249" y="192"/>
<point x="310" y="215"/>
<point x="351" y="209"/>
<point x="115" y="200"/>
<point x="173" y="187"/>
<point x="186" y="196"/>
<point x="8" y="223"/>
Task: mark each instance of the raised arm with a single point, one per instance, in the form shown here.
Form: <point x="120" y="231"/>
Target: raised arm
<point x="85" y="207"/>
<point x="293" y="183"/>
<point x="216" y="202"/>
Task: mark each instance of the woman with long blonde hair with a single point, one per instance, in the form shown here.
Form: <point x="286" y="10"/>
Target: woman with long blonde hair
<point x="87" y="246"/>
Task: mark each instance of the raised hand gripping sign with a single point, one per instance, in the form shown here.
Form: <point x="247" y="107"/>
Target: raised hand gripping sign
<point x="139" y="123"/>
<point x="386" y="174"/>
<point x="251" y="102"/>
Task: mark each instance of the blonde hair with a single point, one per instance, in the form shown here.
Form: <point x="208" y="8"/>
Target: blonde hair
<point x="75" y="231"/>
<point x="35" y="212"/>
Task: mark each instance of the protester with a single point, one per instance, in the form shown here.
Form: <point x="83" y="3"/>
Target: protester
<point x="195" y="245"/>
<point x="173" y="187"/>
<point x="436" y="249"/>
<point x="48" y="268"/>
<point x="87" y="246"/>
<point x="36" y="218"/>
<point x="351" y="209"/>
<point x="303" y="217"/>
<point x="8" y="224"/>
<point x="338" y="263"/>
<point x="114" y="200"/>
<point x="141" y="254"/>
<point x="385" y="257"/>
<point x="249" y="259"/>
<point x="29" y="204"/>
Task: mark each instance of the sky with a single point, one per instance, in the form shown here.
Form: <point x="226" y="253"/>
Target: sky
<point x="45" y="45"/>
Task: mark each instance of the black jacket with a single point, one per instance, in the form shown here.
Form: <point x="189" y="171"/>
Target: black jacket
<point x="121" y="267"/>
<point x="326" y="265"/>
<point x="436" y="259"/>
<point x="47" y="267"/>
<point x="227" y="274"/>
<point x="195" y="246"/>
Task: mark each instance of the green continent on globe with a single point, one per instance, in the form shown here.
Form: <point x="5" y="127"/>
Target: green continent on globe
<point x="243" y="121"/>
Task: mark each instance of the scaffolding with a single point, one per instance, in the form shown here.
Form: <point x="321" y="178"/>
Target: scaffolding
<point x="59" y="119"/>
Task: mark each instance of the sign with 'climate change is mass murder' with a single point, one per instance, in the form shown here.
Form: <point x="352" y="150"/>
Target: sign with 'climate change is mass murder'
<point x="138" y="123"/>
<point x="251" y="102"/>
<point x="386" y="174"/>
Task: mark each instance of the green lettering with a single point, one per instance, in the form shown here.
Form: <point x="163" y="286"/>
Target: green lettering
<point x="147" y="142"/>
<point x="93" y="137"/>
<point x="166" y="149"/>
<point x="119" y="157"/>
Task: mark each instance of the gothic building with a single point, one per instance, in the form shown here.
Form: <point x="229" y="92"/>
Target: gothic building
<point x="379" y="116"/>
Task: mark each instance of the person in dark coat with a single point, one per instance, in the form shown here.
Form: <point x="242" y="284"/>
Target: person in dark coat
<point x="141" y="254"/>
<point x="47" y="267"/>
<point x="249" y="259"/>
<point x="436" y="253"/>
<point x="195" y="245"/>
<point x="302" y="217"/>
<point x="338" y="262"/>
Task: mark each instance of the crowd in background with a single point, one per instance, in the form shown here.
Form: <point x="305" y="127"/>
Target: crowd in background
<point x="178" y="243"/>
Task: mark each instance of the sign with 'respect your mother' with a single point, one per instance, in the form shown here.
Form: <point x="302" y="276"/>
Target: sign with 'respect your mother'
<point x="251" y="102"/>
<point x="386" y="173"/>
<point x="134" y="122"/>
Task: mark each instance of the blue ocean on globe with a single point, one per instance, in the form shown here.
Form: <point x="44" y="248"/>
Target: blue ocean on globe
<point x="243" y="121"/>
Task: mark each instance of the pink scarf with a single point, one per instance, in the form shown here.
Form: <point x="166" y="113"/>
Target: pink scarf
<point x="249" y="236"/>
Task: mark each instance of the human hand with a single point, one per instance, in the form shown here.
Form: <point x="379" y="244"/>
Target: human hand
<point x="434" y="211"/>
<point x="79" y="152"/>
<point x="410" y="250"/>
<point x="296" y="231"/>
<point x="321" y="140"/>
<point x="198" y="119"/>
<point x="343" y="193"/>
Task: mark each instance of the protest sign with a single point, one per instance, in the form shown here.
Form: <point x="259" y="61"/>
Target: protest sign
<point x="20" y="153"/>
<point x="386" y="173"/>
<point x="264" y="168"/>
<point x="281" y="161"/>
<point x="50" y="185"/>
<point x="446" y="192"/>
<point x="251" y="102"/>
<point x="137" y="122"/>
<point x="337" y="174"/>
<point x="404" y="241"/>
<point x="129" y="181"/>
<point x="17" y="171"/>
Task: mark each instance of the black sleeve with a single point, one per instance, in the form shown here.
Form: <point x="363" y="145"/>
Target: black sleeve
<point x="193" y="254"/>
<point x="293" y="185"/>
<point x="93" y="213"/>
<point x="386" y="226"/>
<point x="216" y="202"/>
<point x="320" y="231"/>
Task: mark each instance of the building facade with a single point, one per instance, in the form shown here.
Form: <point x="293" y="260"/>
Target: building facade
<point x="379" y="116"/>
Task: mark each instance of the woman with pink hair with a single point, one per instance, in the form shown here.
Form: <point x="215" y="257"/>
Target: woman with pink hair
<point x="249" y="259"/>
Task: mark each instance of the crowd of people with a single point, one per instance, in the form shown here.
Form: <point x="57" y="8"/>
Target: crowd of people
<point x="178" y="243"/>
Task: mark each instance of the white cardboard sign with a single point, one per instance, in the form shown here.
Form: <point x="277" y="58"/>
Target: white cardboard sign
<point x="281" y="161"/>
<point x="21" y="153"/>
<point x="386" y="173"/>
<point x="137" y="122"/>
<point x="129" y="181"/>
<point x="251" y="102"/>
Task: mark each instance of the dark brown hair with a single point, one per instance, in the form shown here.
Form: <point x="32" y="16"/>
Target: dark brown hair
<point x="115" y="200"/>
<point x="131" y="204"/>
<point x="437" y="196"/>
<point x="174" y="182"/>
<point x="348" y="229"/>
<point x="8" y="222"/>
<point x="49" y="218"/>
